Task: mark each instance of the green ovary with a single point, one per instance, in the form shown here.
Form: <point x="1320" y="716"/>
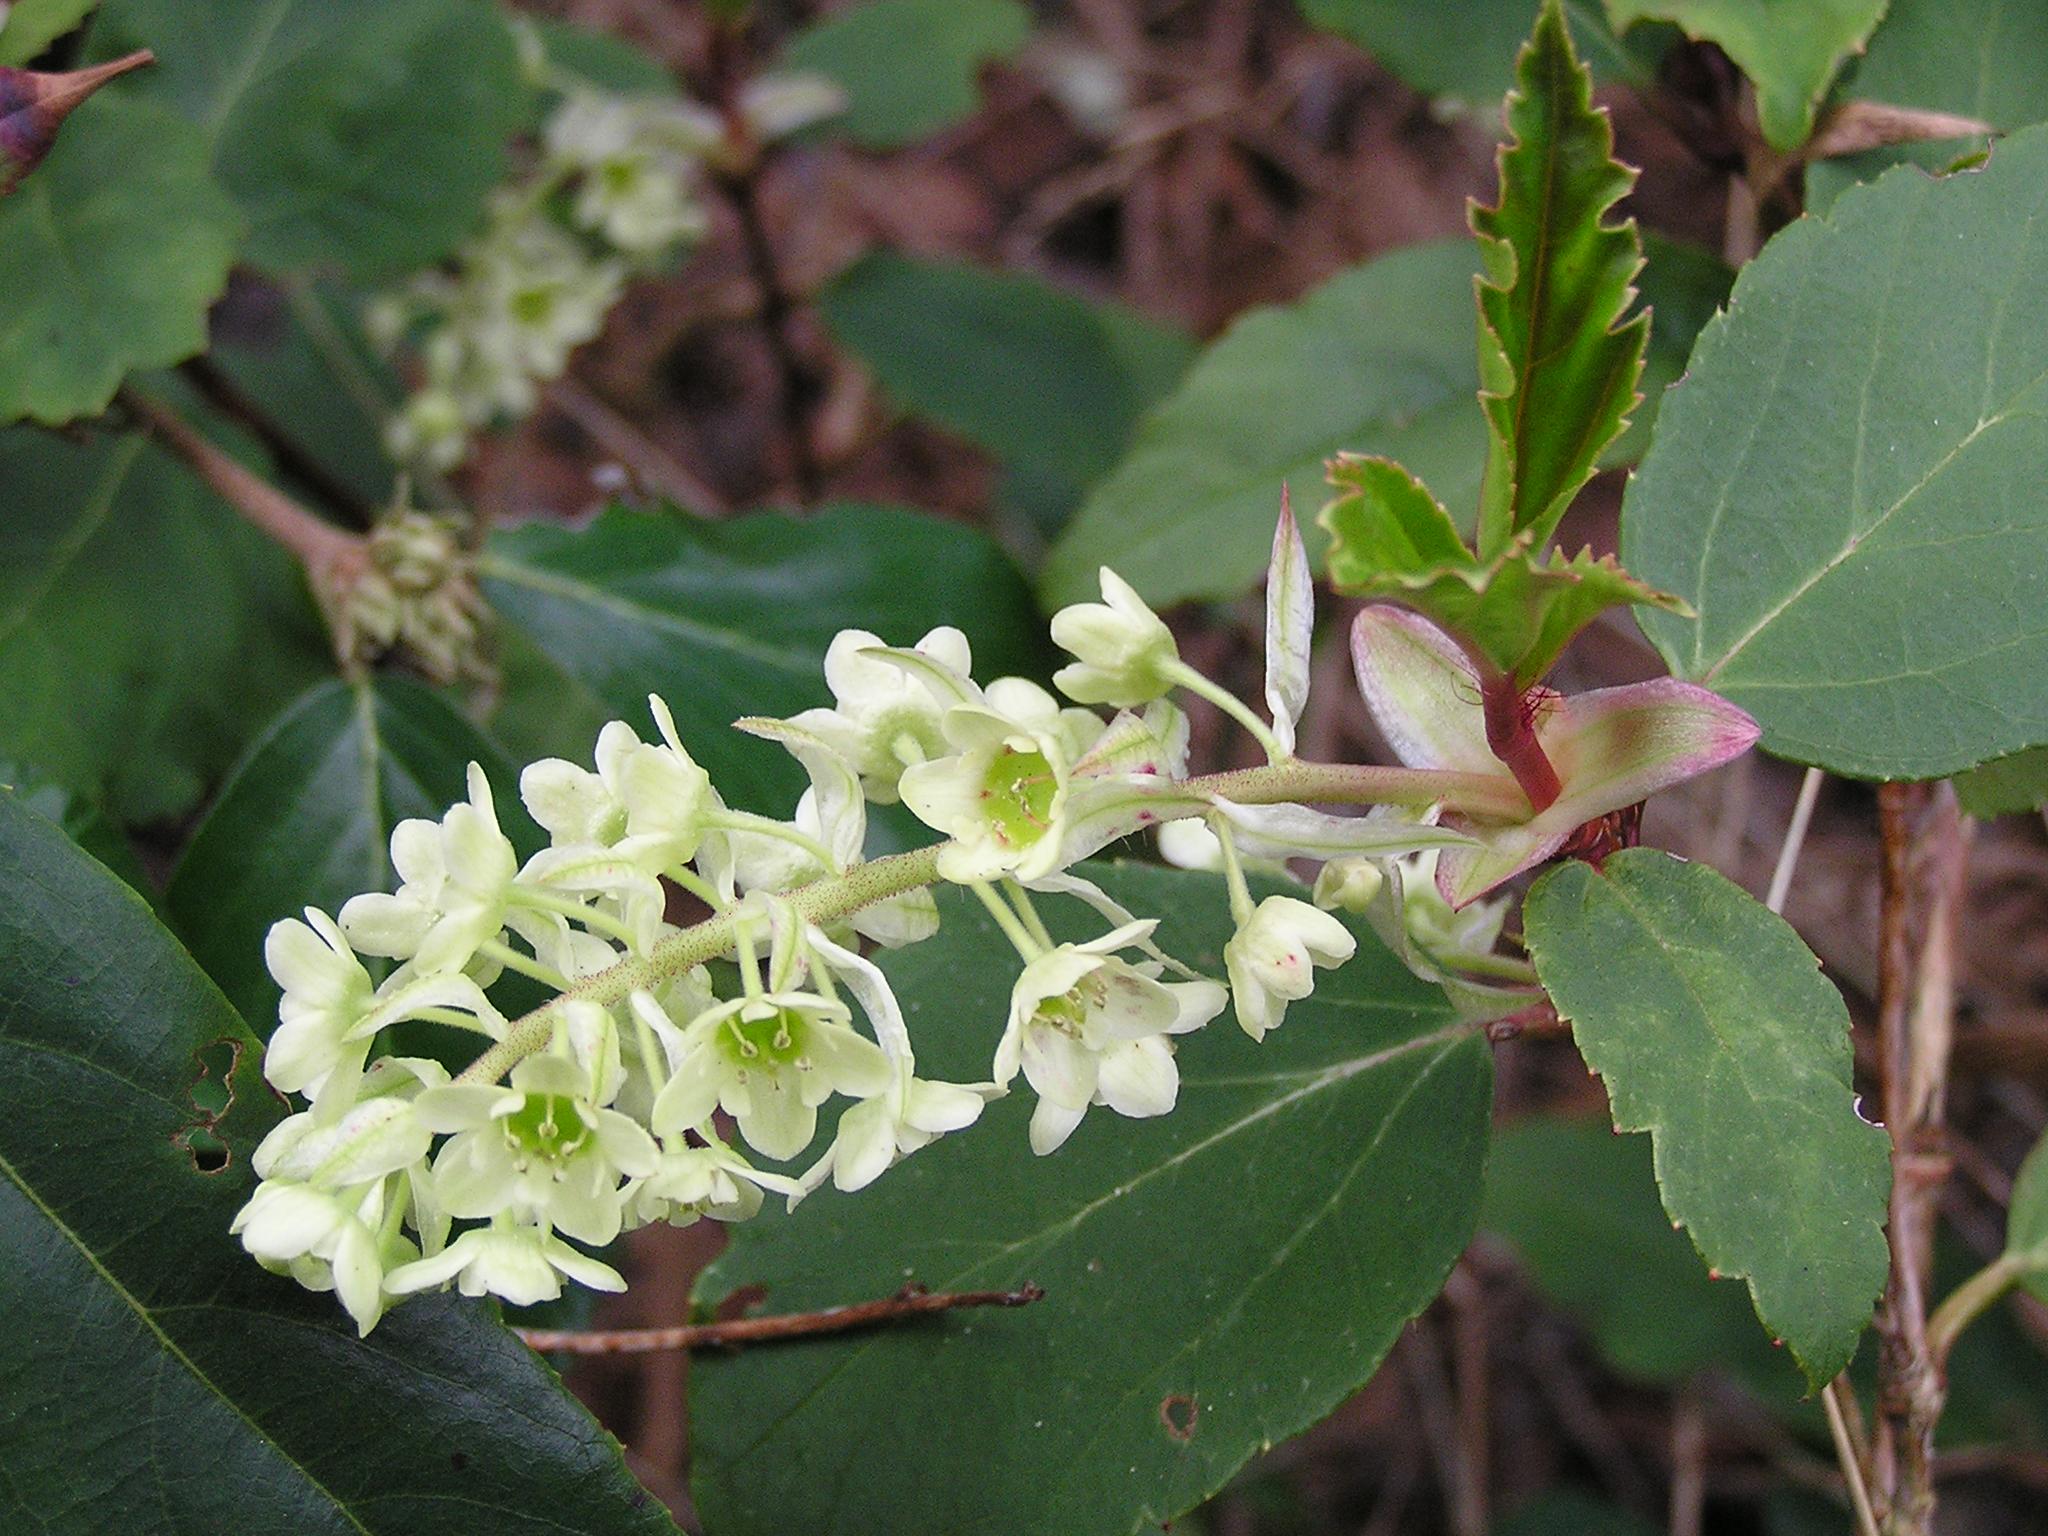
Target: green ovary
<point x="775" y="1041"/>
<point x="1017" y="795"/>
<point x="547" y="1126"/>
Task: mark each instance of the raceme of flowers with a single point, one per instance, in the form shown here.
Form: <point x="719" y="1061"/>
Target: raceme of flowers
<point x="652" y="1088"/>
<point x="612" y="192"/>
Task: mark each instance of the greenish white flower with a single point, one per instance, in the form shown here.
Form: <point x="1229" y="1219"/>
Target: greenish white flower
<point x="884" y="716"/>
<point x="331" y="1010"/>
<point x="633" y="188"/>
<point x="769" y="1061"/>
<point x="647" y="803"/>
<point x="689" y="1183"/>
<point x="1271" y="959"/>
<point x="1125" y="651"/>
<point x="521" y="1264"/>
<point x="1001" y="794"/>
<point x="1350" y="884"/>
<point x="456" y="881"/>
<point x="326" y="1240"/>
<point x="543" y="1147"/>
<point x="1088" y="1027"/>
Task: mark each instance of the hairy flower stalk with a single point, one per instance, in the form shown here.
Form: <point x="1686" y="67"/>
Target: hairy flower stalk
<point x="608" y="1107"/>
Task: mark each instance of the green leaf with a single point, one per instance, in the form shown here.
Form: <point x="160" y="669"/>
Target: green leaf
<point x="1983" y="59"/>
<point x="2011" y="786"/>
<point x="306" y="820"/>
<point x="586" y="57"/>
<point x="1558" y="364"/>
<point x="1845" y="486"/>
<point x="358" y="135"/>
<point x="733" y="618"/>
<point x="153" y="1378"/>
<point x="1215" y="1280"/>
<point x="1791" y="49"/>
<point x="909" y="67"/>
<point x="84" y="821"/>
<point x="110" y="253"/>
<point x="1391" y="539"/>
<point x="32" y="25"/>
<point x="1049" y="382"/>
<point x="1465" y="49"/>
<point x="146" y="632"/>
<point x="1579" y="1203"/>
<point x="297" y="349"/>
<point x="2026" y="1220"/>
<point x="1376" y="360"/>
<point x="1714" y="1031"/>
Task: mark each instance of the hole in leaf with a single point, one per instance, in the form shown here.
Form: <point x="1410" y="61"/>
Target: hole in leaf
<point x="1178" y="1413"/>
<point x="212" y="1093"/>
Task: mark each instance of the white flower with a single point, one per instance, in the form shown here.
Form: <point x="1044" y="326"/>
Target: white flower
<point x="769" y="1061"/>
<point x="330" y="1009"/>
<point x="325" y="1240"/>
<point x="911" y="1114"/>
<point x="1270" y="959"/>
<point x="540" y="1148"/>
<point x="647" y="803"/>
<point x="456" y="876"/>
<point x="1002" y="795"/>
<point x="776" y="106"/>
<point x="693" y="1182"/>
<point x="522" y="1264"/>
<point x="1087" y="1027"/>
<point x="1126" y="652"/>
<point x="633" y="189"/>
<point x="884" y="716"/>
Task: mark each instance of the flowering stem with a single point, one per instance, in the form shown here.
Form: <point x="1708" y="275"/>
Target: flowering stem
<point x="575" y="911"/>
<point x="1188" y="678"/>
<point x="1028" y="911"/>
<point x="1233" y="872"/>
<point x="512" y="960"/>
<point x="1020" y="940"/>
<point x="827" y="901"/>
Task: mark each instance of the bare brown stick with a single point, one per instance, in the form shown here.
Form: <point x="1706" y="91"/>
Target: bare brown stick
<point x="911" y="1301"/>
<point x="333" y="556"/>
<point x="1910" y="1391"/>
<point x="653" y="465"/>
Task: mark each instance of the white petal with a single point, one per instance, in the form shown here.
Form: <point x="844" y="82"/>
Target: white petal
<point x="1139" y="1078"/>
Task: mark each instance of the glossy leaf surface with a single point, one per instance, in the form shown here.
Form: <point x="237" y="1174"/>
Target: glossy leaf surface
<point x="1215" y="1280"/>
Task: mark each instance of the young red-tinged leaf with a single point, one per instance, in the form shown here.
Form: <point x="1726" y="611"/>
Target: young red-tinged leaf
<point x="33" y="107"/>
<point x="1557" y="363"/>
<point x="1610" y="748"/>
<point x="1715" y="1032"/>
<point x="1391" y="539"/>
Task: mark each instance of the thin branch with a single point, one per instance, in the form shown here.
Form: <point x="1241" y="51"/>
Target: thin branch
<point x="911" y="1301"/>
<point x="228" y="397"/>
<point x="653" y="465"/>
<point x="1795" y="839"/>
<point x="1846" y="1452"/>
<point x="333" y="556"/>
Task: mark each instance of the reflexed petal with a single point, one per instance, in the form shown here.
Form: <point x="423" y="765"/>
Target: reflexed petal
<point x="583" y="1269"/>
<point x="1197" y="1001"/>
<point x="1051" y="1124"/>
<point x="392" y="926"/>
<point x="865" y="1145"/>
<point x="1138" y="1078"/>
<point x="942" y="1107"/>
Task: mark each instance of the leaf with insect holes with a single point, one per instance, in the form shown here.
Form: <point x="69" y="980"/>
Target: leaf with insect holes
<point x="1714" y="1030"/>
<point x="152" y="1377"/>
<point x="1391" y="539"/>
<point x="1558" y="364"/>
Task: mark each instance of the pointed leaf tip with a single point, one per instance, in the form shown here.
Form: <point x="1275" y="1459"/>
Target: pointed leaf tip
<point x="33" y="106"/>
<point x="1558" y="363"/>
<point x="1290" y="625"/>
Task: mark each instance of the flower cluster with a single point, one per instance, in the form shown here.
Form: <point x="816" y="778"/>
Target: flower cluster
<point x="612" y="191"/>
<point x="678" y="1072"/>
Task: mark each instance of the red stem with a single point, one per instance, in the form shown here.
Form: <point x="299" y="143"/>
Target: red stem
<point x="1512" y="736"/>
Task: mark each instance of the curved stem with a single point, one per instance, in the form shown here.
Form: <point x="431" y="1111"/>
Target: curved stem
<point x="767" y="826"/>
<point x="1020" y="938"/>
<point x="1968" y="1302"/>
<point x="546" y="975"/>
<point x="576" y="912"/>
<point x="1195" y="683"/>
